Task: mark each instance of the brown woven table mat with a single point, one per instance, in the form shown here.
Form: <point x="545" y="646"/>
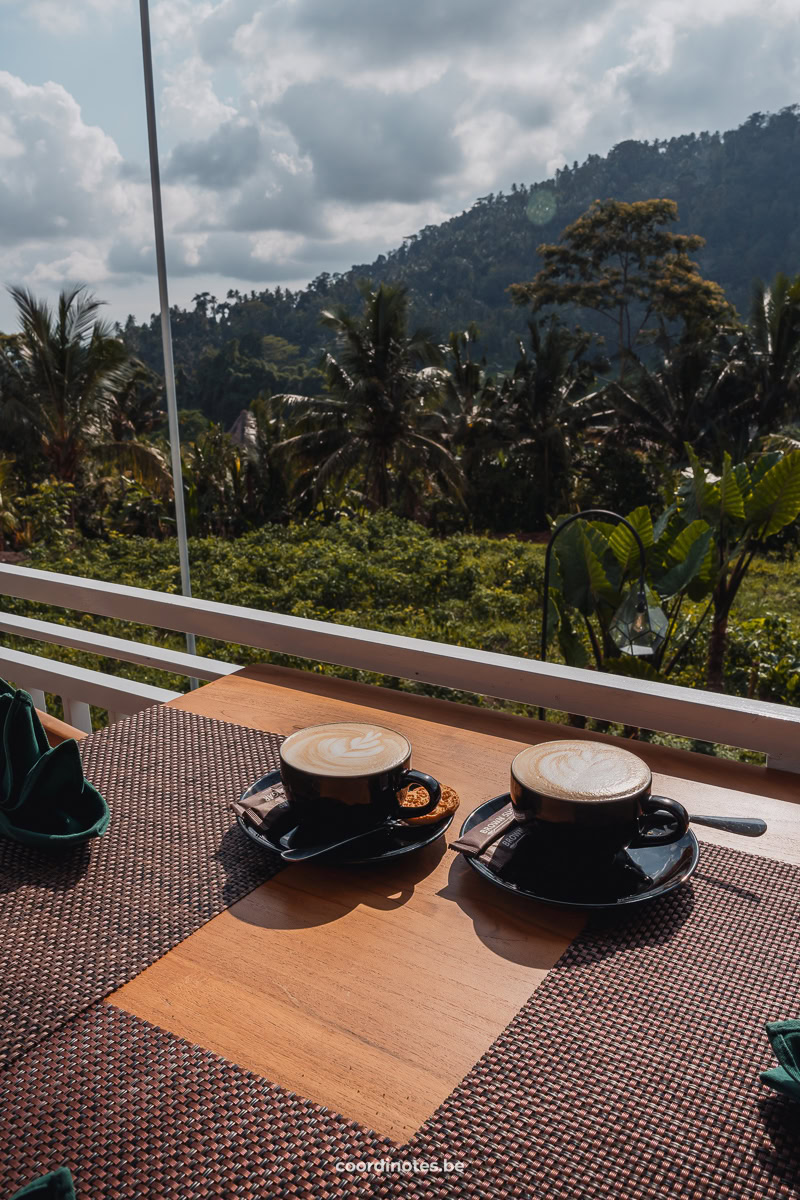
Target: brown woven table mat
<point x="73" y="928"/>
<point x="135" y="1112"/>
<point x="632" y="1072"/>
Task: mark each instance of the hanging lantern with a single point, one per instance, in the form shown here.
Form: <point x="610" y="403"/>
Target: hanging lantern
<point x="639" y="626"/>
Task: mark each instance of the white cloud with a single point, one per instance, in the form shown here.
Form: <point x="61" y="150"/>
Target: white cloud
<point x="173" y="22"/>
<point x="73" y="17"/>
<point x="189" y="105"/>
<point x="81" y="263"/>
<point x="65" y="178"/>
<point x="305" y="135"/>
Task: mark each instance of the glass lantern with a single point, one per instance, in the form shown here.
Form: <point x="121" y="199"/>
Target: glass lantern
<point x="639" y="626"/>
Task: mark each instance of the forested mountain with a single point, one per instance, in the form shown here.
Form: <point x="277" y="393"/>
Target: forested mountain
<point x="739" y="190"/>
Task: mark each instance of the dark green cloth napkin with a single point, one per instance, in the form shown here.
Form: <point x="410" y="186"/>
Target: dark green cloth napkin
<point x="44" y="799"/>
<point x="784" y="1037"/>
<point x="24" y="743"/>
<point x="56" y="1185"/>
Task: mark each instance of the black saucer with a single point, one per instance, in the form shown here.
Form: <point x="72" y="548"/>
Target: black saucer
<point x="390" y="841"/>
<point x="636" y="875"/>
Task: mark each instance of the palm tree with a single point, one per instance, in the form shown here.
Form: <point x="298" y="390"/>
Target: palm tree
<point x="257" y="433"/>
<point x="137" y="408"/>
<point x="60" y="377"/>
<point x="8" y="520"/>
<point x="377" y="430"/>
<point x="467" y="406"/>
<point x="215" y="481"/>
<point x="695" y="396"/>
<point x="771" y="351"/>
<point x="540" y="410"/>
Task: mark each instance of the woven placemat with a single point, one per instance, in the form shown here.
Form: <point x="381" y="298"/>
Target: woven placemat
<point x="73" y="928"/>
<point x="135" y="1112"/>
<point x="632" y="1072"/>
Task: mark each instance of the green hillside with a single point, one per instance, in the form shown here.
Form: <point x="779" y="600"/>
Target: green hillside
<point x="737" y="189"/>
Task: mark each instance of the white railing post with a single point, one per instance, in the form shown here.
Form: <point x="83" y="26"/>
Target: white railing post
<point x="77" y="713"/>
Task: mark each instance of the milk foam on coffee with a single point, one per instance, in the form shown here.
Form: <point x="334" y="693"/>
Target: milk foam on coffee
<point x="585" y="771"/>
<point x="351" y="748"/>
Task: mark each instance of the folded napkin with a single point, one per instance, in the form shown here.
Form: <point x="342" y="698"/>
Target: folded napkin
<point x="44" y="799"/>
<point x="24" y="743"/>
<point x="784" y="1037"/>
<point x="56" y="1185"/>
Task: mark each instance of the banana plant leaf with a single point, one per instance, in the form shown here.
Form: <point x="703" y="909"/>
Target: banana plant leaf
<point x="624" y="545"/>
<point x="583" y="576"/>
<point x="691" y="555"/>
<point x="570" y="643"/>
<point x="731" y="500"/>
<point x="774" y="501"/>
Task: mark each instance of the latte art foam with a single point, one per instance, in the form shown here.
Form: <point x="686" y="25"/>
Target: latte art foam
<point x="350" y="748"/>
<point x="585" y="771"/>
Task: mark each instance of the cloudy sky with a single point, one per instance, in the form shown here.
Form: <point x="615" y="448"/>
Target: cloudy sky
<point x="299" y="136"/>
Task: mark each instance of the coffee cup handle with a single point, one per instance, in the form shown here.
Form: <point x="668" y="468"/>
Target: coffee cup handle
<point x="432" y="787"/>
<point x="657" y="806"/>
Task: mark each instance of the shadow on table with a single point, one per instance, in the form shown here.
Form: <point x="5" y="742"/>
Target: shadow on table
<point x="651" y="923"/>
<point x="245" y="865"/>
<point x="22" y="866"/>
<point x="726" y="886"/>
<point x="781" y="1159"/>
<point x="307" y="895"/>
<point x="512" y="925"/>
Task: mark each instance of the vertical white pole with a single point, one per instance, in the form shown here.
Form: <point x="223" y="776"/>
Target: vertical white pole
<point x="166" y="329"/>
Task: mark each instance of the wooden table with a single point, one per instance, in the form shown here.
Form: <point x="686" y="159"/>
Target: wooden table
<point x="374" y="990"/>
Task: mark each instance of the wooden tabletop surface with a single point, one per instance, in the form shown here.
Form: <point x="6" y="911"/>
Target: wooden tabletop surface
<point x="373" y="990"/>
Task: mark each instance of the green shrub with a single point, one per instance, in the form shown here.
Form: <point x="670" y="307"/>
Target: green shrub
<point x="392" y="575"/>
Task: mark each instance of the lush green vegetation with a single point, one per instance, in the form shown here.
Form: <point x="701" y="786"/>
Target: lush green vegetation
<point x="390" y="574"/>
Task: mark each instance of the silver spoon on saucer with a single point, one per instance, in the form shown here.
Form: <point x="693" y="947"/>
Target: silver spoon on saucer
<point x="746" y="826"/>
<point x="302" y="853"/>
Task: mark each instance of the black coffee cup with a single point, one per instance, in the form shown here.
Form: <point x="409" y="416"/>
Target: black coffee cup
<point x="585" y="802"/>
<point x="347" y="776"/>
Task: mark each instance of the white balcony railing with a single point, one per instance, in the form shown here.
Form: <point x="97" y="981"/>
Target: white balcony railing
<point x="773" y="729"/>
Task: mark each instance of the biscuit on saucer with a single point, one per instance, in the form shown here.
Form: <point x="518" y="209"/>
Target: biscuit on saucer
<point x="419" y="797"/>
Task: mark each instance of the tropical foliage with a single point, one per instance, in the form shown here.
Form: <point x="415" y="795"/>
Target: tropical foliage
<point x="70" y="388"/>
<point x="697" y="554"/>
<point x="385" y="573"/>
<point x="378" y="429"/>
<point x="618" y="261"/>
<point x="686" y="418"/>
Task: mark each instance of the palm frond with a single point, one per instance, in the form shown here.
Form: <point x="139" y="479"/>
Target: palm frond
<point x="143" y="462"/>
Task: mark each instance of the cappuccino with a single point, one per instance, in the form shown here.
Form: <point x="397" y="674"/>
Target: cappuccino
<point x="581" y="771"/>
<point x="345" y="749"/>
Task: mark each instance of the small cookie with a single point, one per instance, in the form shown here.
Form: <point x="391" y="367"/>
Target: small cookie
<point x="419" y="797"/>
